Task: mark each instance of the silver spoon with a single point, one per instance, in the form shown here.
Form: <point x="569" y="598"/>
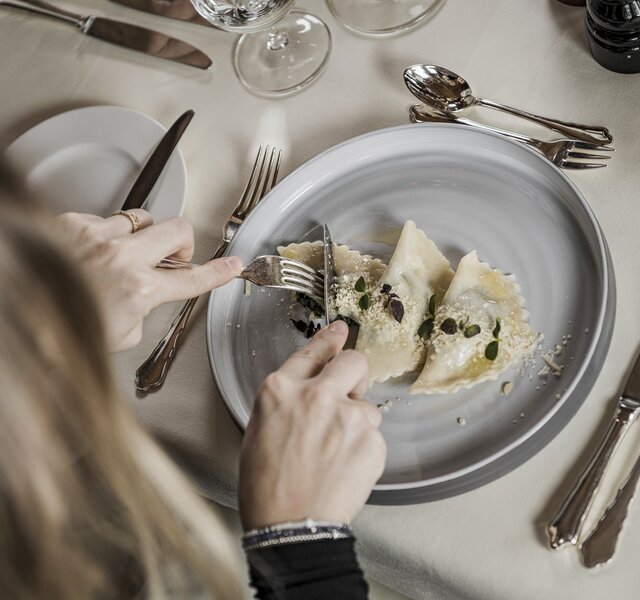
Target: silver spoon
<point x="442" y="89"/>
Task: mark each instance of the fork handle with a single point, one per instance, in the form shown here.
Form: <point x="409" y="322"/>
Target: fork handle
<point x="571" y="130"/>
<point x="152" y="372"/>
<point x="421" y="117"/>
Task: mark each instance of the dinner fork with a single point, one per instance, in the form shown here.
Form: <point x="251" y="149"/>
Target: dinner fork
<point x="271" y="271"/>
<point x="564" y="153"/>
<point x="153" y="371"/>
<point x="284" y="273"/>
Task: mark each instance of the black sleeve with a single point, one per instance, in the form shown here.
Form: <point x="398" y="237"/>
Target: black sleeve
<point x="321" y="570"/>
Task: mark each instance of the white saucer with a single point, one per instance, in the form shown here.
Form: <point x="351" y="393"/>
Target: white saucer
<point x="86" y="160"/>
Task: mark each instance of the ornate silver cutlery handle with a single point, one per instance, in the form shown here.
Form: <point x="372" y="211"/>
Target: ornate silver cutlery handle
<point x="565" y="526"/>
<point x="599" y="547"/>
<point x="42" y="8"/>
<point x="151" y="372"/>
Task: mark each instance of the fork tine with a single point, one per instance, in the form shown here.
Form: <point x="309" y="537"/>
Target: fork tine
<point x="248" y="188"/>
<point x="266" y="179"/>
<point x="289" y="278"/>
<point x="295" y="264"/>
<point x="272" y="171"/>
<point x="589" y="146"/>
<point x="572" y="154"/>
<point x="315" y="293"/>
<point x="578" y="165"/>
<point x="254" y="183"/>
<point x="295" y="278"/>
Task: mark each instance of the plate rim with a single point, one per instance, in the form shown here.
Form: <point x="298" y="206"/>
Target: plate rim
<point x="109" y="108"/>
<point x="607" y="292"/>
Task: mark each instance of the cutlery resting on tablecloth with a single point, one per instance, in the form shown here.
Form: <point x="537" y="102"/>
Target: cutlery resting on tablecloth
<point x="119" y="33"/>
<point x="445" y="95"/>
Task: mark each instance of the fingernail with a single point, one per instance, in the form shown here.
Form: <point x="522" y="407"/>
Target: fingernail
<point x="337" y="327"/>
<point x="234" y="263"/>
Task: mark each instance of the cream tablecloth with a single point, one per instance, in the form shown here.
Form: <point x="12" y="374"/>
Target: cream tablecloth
<point x="486" y="544"/>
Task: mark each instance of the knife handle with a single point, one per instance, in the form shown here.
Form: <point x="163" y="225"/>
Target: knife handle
<point x="42" y="8"/>
<point x="152" y="372"/>
<point x="599" y="547"/>
<point x="565" y="526"/>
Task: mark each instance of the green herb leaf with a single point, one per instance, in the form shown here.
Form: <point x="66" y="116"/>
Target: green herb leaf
<point x="425" y="330"/>
<point x="361" y="285"/>
<point x="432" y="305"/>
<point x="472" y="330"/>
<point x="496" y="329"/>
<point x="491" y="350"/>
<point x="364" y="302"/>
<point x="449" y="326"/>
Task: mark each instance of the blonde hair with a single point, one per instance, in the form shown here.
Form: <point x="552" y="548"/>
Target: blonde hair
<point x="90" y="507"/>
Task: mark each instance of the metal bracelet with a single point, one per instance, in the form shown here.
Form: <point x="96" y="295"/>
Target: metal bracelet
<point x="295" y="532"/>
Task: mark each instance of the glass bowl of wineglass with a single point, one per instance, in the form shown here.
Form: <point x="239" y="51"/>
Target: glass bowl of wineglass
<point x="279" y="51"/>
<point x="382" y="17"/>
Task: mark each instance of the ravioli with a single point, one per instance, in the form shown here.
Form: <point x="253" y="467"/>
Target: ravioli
<point x="416" y="271"/>
<point x="479" y="297"/>
<point x="350" y="266"/>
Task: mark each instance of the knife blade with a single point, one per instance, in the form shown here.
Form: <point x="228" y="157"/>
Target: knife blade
<point x="329" y="277"/>
<point x="565" y="526"/>
<point x="182" y="11"/>
<point x="119" y="33"/>
<point x="155" y="164"/>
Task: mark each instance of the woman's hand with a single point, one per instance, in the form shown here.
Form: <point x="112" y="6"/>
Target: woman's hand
<point x="312" y="448"/>
<point x="121" y="265"/>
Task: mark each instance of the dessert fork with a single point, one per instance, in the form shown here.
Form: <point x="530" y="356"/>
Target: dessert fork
<point x="564" y="153"/>
<point x="152" y="372"/>
<point x="271" y="271"/>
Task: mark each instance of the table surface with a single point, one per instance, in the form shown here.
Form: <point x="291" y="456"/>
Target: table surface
<point x="485" y="544"/>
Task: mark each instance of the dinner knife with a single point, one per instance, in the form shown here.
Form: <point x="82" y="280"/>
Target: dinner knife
<point x="329" y="277"/>
<point x="121" y="34"/>
<point x="181" y="10"/>
<point x="565" y="526"/>
<point x="155" y="164"/>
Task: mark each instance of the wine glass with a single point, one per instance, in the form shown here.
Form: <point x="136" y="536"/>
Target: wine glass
<point x="280" y="50"/>
<point x="382" y="17"/>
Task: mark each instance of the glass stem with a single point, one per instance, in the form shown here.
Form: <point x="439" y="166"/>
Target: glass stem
<point x="277" y="40"/>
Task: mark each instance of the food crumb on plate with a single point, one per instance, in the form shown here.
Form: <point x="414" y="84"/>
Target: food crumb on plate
<point x="506" y="387"/>
<point x="461" y="421"/>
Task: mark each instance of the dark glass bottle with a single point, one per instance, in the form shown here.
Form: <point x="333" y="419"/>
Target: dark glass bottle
<point x="613" y="29"/>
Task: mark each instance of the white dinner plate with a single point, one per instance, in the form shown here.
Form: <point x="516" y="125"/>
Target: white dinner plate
<point x="86" y="160"/>
<point x="467" y="189"/>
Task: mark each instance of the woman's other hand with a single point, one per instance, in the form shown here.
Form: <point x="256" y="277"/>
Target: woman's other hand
<point x="312" y="448"/>
<point x="121" y="266"/>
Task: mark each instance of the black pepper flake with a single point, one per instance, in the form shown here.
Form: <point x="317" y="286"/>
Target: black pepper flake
<point x="386" y="288"/>
<point x="449" y="326"/>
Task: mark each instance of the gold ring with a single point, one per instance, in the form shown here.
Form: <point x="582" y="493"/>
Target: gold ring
<point x="135" y="221"/>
